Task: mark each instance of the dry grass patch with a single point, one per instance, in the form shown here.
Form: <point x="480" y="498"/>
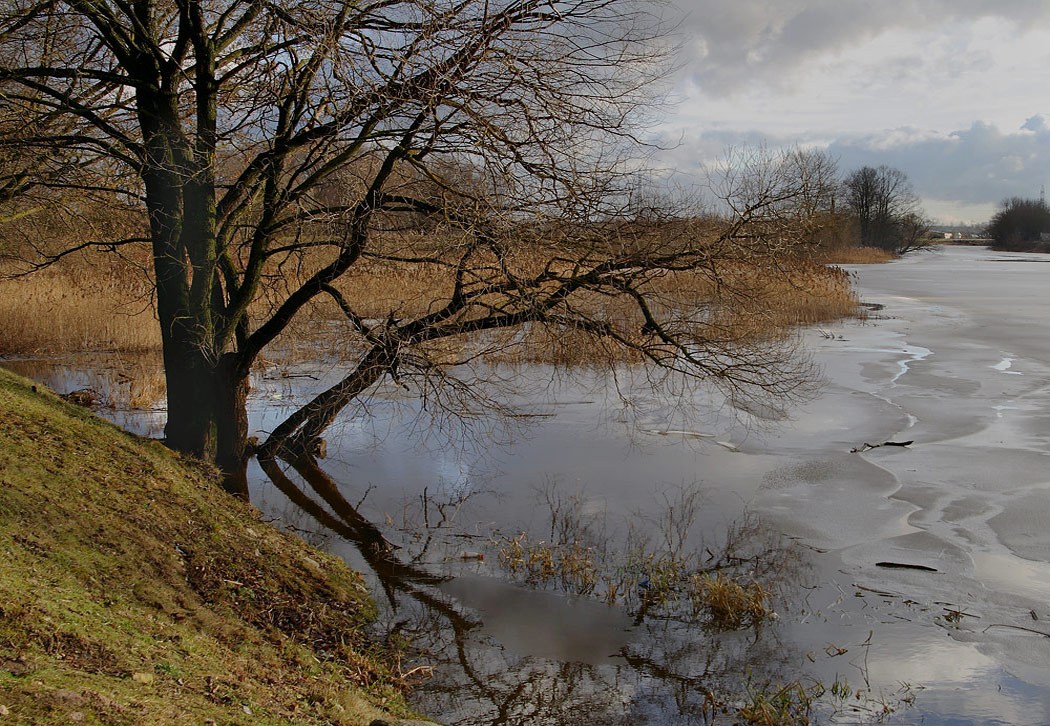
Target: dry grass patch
<point x="730" y="604"/>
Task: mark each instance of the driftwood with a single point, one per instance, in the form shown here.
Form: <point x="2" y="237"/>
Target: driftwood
<point x="905" y="566"/>
<point x="1017" y="627"/>
<point x="869" y="447"/>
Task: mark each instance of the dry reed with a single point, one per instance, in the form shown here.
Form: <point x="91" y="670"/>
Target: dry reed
<point x="94" y="305"/>
<point x="857" y="256"/>
<point x="66" y="311"/>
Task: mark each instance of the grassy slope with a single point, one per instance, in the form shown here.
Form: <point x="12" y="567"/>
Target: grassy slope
<point x="132" y="590"/>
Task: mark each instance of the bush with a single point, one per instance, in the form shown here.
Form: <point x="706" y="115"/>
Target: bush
<point x="1019" y="224"/>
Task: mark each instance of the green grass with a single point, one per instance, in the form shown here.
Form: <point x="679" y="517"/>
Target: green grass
<point x="133" y="590"/>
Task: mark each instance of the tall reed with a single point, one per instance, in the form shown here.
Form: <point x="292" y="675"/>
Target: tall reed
<point x="64" y="311"/>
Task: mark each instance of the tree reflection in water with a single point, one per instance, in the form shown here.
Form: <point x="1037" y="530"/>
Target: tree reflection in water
<point x="666" y="664"/>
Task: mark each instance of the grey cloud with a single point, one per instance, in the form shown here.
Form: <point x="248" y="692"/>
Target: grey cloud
<point x="739" y="41"/>
<point x="1035" y="123"/>
<point x="977" y="165"/>
<point x="686" y="157"/>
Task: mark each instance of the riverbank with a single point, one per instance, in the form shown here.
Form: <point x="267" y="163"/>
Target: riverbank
<point x="133" y="590"/>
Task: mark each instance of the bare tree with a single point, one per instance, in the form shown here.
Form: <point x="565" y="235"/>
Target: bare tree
<point x="886" y="207"/>
<point x="913" y="233"/>
<point x="281" y="150"/>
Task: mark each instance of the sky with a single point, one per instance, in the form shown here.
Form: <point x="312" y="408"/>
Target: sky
<point x="955" y="93"/>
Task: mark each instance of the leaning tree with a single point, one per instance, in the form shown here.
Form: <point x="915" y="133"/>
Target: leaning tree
<point x="286" y="152"/>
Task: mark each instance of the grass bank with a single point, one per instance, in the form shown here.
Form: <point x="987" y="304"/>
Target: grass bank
<point x="133" y="590"/>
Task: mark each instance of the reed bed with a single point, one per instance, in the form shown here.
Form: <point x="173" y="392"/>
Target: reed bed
<point x="61" y="310"/>
<point x="857" y="256"/>
<point x="744" y="304"/>
<point x="768" y="296"/>
<point x="94" y="305"/>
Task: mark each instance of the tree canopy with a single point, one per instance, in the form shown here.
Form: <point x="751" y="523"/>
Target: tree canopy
<point x="886" y="207"/>
<point x="280" y="149"/>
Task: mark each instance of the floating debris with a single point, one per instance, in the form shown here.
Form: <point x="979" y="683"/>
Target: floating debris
<point x="85" y="397"/>
<point x="869" y="447"/>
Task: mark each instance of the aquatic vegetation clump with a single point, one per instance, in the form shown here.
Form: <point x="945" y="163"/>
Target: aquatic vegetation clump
<point x="729" y="603"/>
<point x="659" y="570"/>
<point x="788" y="705"/>
<point x="571" y="566"/>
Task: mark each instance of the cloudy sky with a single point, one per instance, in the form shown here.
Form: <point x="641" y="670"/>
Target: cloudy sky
<point x="956" y="93"/>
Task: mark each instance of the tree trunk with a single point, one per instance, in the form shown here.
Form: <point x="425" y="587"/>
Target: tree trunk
<point x="207" y="389"/>
<point x="207" y="413"/>
<point x="297" y="435"/>
<point x="232" y="424"/>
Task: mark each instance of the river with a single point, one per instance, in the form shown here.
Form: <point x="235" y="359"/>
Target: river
<point x="911" y="582"/>
<point x="927" y="565"/>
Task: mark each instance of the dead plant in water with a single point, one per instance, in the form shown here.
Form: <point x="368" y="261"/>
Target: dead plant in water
<point x="571" y="566"/>
<point x="140" y="383"/>
<point x="728" y="603"/>
<point x="789" y="705"/>
<point x="660" y="569"/>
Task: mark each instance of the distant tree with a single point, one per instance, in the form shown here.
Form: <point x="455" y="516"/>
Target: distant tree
<point x="886" y="208"/>
<point x="1018" y="223"/>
